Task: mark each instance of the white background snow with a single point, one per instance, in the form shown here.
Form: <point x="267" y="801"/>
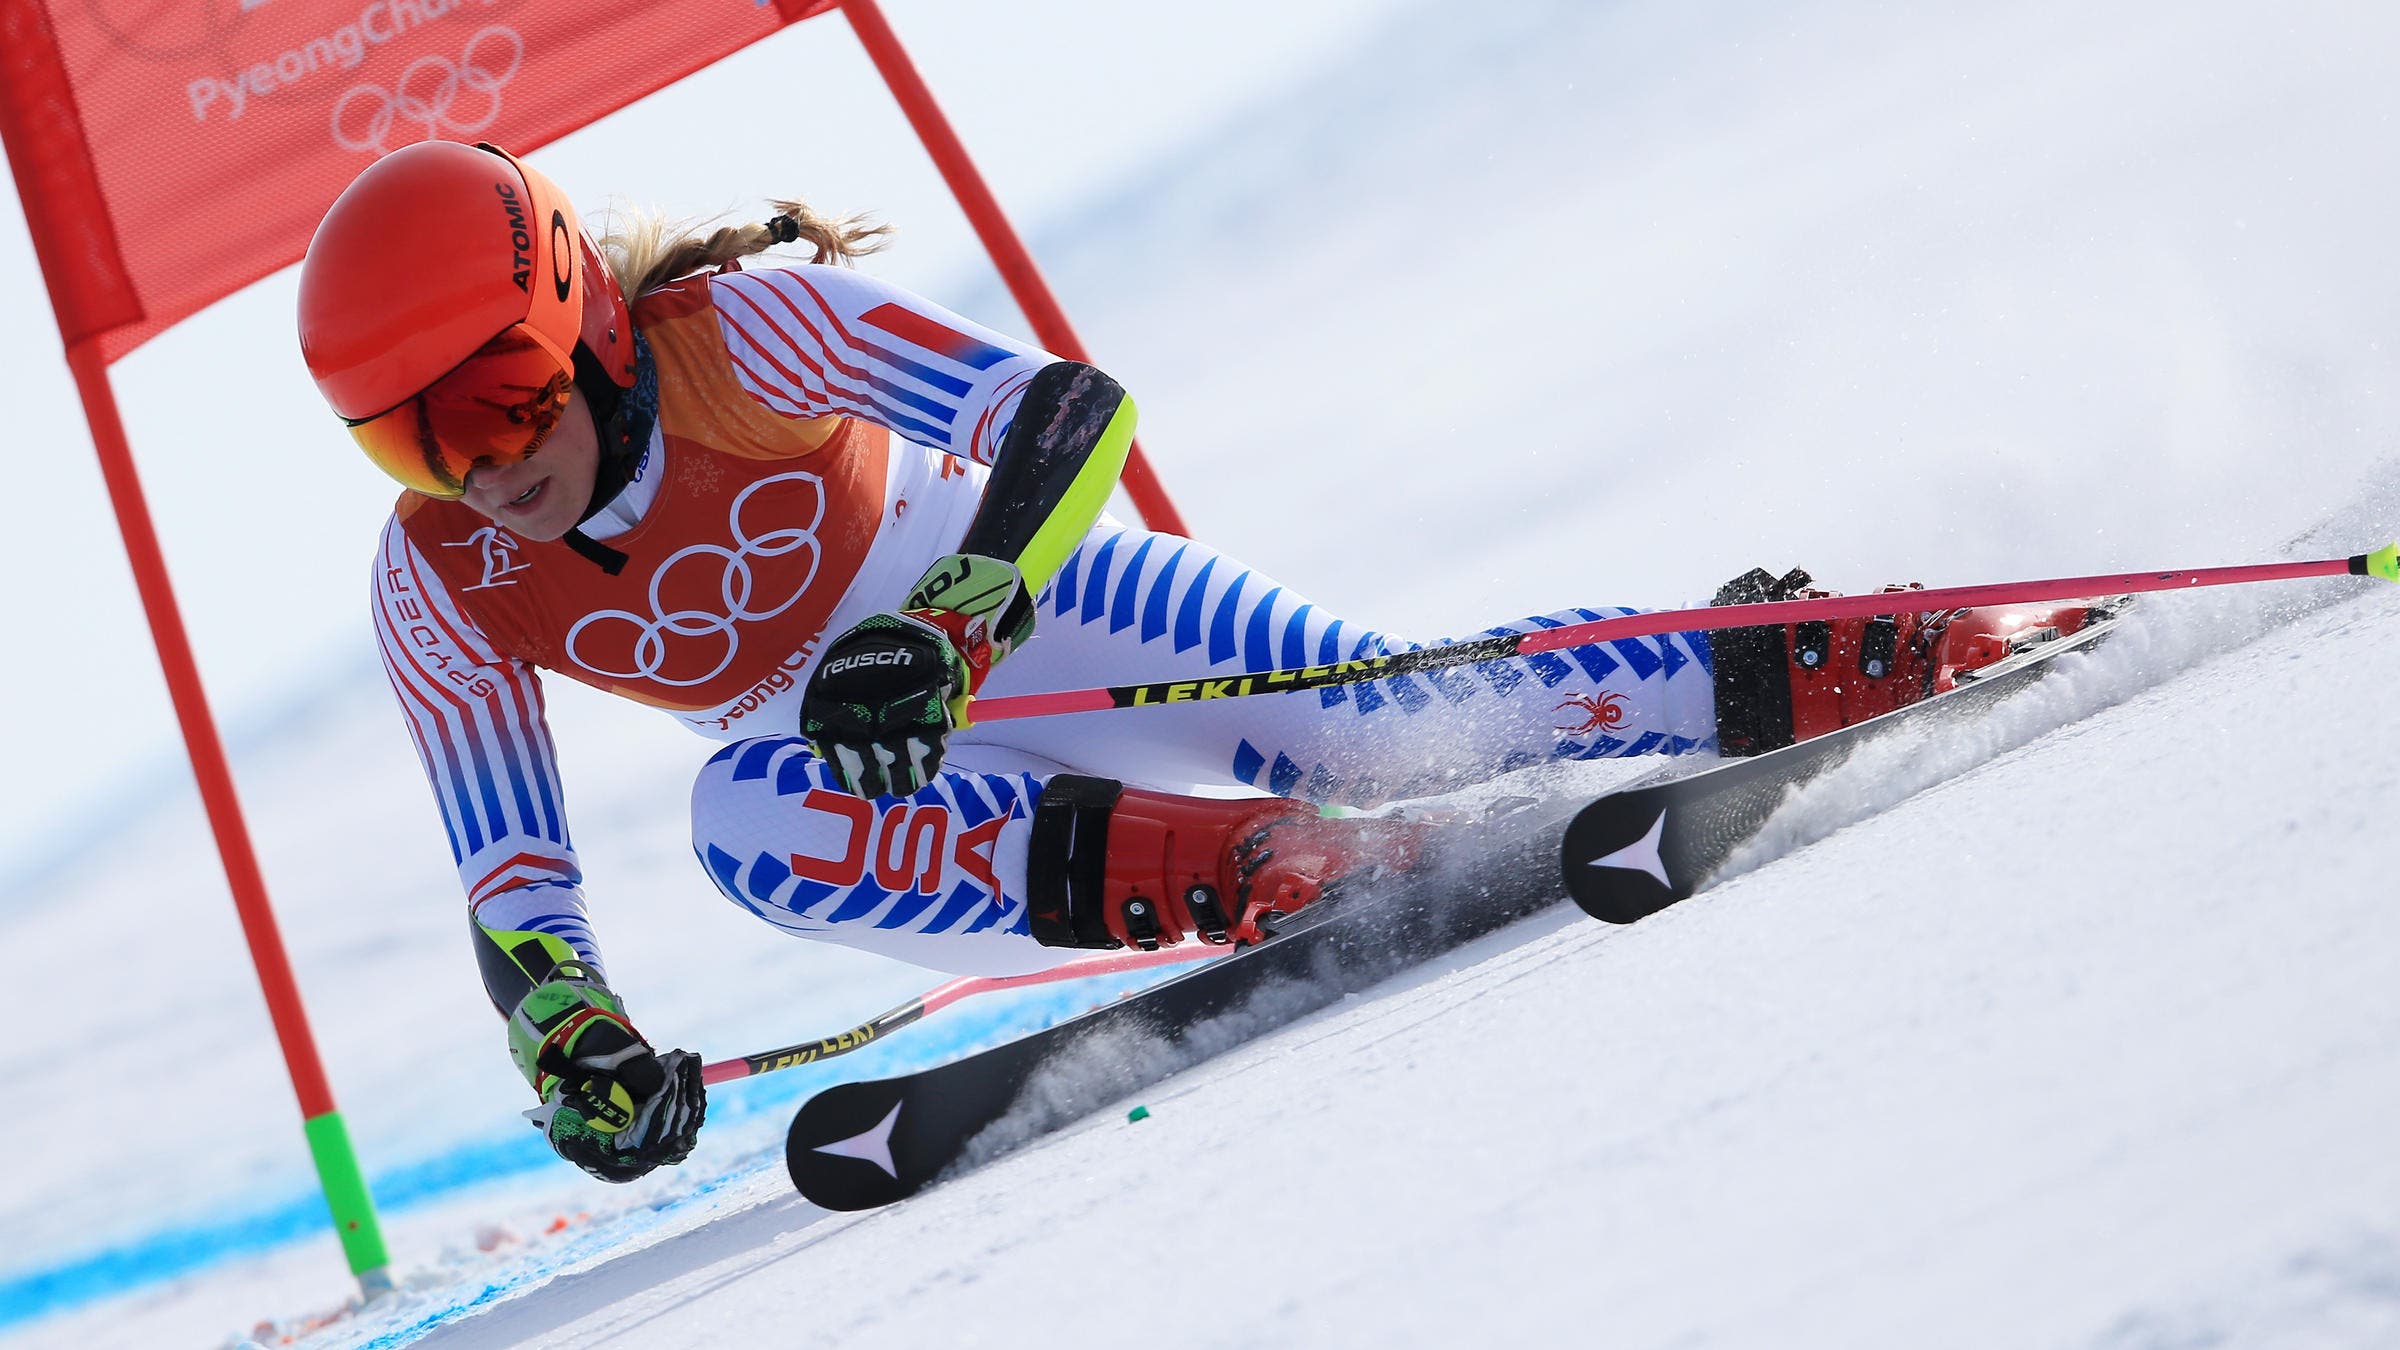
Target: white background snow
<point x="1441" y="314"/>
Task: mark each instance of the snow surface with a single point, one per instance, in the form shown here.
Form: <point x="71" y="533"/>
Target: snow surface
<point x="2094" y="1043"/>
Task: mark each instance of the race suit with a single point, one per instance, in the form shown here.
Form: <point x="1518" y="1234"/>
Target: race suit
<point x="823" y="437"/>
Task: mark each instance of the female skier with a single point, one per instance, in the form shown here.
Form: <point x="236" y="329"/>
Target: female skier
<point x="812" y="516"/>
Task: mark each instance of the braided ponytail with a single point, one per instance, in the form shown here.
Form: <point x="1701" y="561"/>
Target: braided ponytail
<point x="646" y="250"/>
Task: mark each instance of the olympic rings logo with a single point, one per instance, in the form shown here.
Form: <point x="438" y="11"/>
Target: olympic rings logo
<point x="428" y="92"/>
<point x="737" y="590"/>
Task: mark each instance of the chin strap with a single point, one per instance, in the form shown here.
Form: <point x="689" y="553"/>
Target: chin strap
<point x="624" y="420"/>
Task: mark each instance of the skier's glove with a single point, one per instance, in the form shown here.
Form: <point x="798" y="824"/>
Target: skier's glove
<point x="888" y="692"/>
<point x="610" y="1104"/>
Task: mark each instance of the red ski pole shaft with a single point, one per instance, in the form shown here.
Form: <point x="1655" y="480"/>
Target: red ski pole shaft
<point x="2384" y="563"/>
<point x="934" y="1000"/>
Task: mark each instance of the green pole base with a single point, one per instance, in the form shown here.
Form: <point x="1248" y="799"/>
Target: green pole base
<point x="346" y="1195"/>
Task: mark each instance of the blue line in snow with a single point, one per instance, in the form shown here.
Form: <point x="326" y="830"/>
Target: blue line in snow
<point x="176" y="1250"/>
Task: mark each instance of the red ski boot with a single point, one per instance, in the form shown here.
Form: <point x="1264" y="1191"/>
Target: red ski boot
<point x="1113" y="866"/>
<point x="1779" y="685"/>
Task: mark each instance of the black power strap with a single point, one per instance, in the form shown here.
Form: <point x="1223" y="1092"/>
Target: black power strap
<point x="1753" y="675"/>
<point x="1067" y="861"/>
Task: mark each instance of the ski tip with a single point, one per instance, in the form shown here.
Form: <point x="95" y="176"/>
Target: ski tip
<point x="2383" y="562"/>
<point x="1611" y="862"/>
<point x="841" y="1152"/>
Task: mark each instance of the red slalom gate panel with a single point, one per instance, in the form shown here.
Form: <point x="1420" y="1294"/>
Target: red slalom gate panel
<point x="169" y="155"/>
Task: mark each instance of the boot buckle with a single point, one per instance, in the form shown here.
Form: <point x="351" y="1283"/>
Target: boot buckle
<point x="1208" y="917"/>
<point x="1141" y="923"/>
<point x="1878" y="643"/>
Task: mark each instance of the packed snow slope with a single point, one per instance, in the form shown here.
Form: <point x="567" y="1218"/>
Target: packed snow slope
<point x="2094" y="1046"/>
<point x="2094" y="1043"/>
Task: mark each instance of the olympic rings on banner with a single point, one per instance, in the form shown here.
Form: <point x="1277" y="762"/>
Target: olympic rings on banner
<point x="428" y="92"/>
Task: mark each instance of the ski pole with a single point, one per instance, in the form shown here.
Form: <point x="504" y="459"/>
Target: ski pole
<point x="2384" y="563"/>
<point x="934" y="1000"/>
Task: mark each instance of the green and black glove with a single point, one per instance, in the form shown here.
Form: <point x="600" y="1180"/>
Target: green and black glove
<point x="610" y="1104"/>
<point x="889" y="692"/>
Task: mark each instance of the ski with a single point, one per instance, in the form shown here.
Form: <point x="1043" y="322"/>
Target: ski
<point x="860" y="1145"/>
<point x="1632" y="853"/>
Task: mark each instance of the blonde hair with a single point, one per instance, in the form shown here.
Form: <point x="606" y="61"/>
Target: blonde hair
<point x="647" y="250"/>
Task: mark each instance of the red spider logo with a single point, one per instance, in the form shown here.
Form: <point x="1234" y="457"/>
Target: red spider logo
<point x="1604" y="713"/>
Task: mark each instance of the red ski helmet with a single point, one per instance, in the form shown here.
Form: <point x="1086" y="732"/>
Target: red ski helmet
<point x="443" y="304"/>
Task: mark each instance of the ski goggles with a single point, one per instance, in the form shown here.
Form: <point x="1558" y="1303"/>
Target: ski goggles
<point x="496" y="407"/>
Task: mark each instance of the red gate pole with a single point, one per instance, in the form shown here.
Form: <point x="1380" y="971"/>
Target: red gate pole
<point x="1000" y="239"/>
<point x="328" y="1137"/>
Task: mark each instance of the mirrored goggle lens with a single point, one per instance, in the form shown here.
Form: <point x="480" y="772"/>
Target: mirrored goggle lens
<point x="496" y="407"/>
